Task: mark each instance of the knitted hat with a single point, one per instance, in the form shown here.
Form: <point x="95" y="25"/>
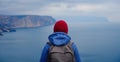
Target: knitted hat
<point x="61" y="26"/>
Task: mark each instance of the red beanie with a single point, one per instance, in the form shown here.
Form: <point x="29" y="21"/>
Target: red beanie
<point x="61" y="26"/>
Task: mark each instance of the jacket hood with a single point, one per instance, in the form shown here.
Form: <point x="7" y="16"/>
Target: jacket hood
<point x="59" y="38"/>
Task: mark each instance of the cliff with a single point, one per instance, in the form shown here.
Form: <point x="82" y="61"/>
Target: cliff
<point x="25" y="21"/>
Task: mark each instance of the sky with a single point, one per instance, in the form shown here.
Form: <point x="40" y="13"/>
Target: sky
<point x="109" y="9"/>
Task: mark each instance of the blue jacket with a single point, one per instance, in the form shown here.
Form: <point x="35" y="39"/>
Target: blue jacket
<point x="58" y="38"/>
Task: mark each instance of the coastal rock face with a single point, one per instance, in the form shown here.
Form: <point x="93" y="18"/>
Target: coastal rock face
<point x="25" y="21"/>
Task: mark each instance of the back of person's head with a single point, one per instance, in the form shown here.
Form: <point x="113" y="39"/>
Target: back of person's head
<point x="61" y="26"/>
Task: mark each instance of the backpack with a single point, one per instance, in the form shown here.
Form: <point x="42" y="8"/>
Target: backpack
<point x="61" y="53"/>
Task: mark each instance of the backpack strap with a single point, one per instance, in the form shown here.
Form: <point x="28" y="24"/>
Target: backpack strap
<point x="70" y="45"/>
<point x="49" y="43"/>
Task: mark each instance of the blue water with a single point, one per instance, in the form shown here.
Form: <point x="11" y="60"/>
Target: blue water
<point x="97" y="42"/>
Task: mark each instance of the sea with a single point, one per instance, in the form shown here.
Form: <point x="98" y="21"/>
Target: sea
<point x="96" y="42"/>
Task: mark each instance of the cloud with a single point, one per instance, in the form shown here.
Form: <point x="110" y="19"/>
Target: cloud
<point x="104" y="8"/>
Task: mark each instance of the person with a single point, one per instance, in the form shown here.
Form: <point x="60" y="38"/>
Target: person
<point x="59" y="37"/>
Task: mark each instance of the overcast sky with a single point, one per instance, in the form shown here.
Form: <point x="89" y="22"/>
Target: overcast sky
<point x="56" y="8"/>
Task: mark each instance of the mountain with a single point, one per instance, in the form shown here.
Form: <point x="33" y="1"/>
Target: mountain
<point x="25" y="21"/>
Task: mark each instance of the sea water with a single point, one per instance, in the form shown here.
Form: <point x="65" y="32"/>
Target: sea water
<point x="96" y="42"/>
